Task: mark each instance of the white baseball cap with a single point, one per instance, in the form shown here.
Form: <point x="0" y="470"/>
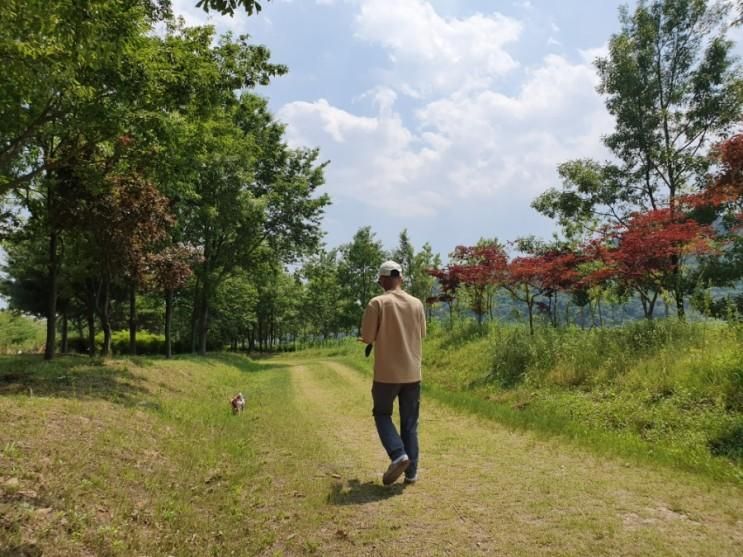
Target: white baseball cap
<point x="386" y="268"/>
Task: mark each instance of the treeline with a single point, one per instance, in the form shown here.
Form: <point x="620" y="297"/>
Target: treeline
<point x="140" y="173"/>
<point x="146" y="186"/>
<point x="662" y="219"/>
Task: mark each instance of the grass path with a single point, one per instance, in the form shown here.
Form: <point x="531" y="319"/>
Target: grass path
<point x="145" y="459"/>
<point x="486" y="490"/>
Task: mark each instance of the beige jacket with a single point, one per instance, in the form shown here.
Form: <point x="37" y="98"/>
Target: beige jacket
<point x="395" y="323"/>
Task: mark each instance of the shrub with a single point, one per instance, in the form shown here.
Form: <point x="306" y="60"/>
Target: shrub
<point x="147" y="343"/>
<point x="19" y="333"/>
<point x="729" y="443"/>
<point x="648" y="354"/>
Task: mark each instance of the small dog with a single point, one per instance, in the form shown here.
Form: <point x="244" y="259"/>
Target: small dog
<point x="237" y="403"/>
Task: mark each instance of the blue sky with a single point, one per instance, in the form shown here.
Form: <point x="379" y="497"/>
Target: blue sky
<point x="445" y="117"/>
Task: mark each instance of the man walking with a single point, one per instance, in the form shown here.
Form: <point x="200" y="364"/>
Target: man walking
<point x="395" y="323"/>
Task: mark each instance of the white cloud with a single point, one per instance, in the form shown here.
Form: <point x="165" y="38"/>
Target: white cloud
<point x="336" y="123"/>
<point x="505" y="143"/>
<point x="588" y="55"/>
<point x="471" y="144"/>
<point x="378" y="161"/>
<point x="431" y="54"/>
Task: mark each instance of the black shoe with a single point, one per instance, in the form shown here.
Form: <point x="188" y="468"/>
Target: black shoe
<point x="395" y="469"/>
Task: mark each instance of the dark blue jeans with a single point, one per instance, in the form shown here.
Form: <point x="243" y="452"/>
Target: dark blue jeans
<point x="409" y="399"/>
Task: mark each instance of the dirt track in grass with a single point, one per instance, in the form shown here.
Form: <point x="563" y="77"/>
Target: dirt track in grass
<point x="486" y="490"/>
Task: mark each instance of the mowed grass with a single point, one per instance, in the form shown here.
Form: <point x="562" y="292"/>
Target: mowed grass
<point x="143" y="457"/>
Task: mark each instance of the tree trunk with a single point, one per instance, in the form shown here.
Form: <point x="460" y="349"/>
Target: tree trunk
<point x="51" y="311"/>
<point x="203" y="325"/>
<point x="65" y="328"/>
<point x="680" y="310"/>
<point x="648" y="304"/>
<point x="204" y="312"/>
<point x="104" y="312"/>
<point x="195" y="314"/>
<point x="651" y="305"/>
<point x="168" y="322"/>
<point x="90" y="315"/>
<point x="133" y="319"/>
<point x="554" y="306"/>
<point x="531" y="317"/>
<point x="592" y="309"/>
<point x="195" y="318"/>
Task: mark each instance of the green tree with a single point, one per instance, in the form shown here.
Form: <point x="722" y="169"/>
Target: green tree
<point x="358" y="274"/>
<point x="69" y="95"/>
<point x="94" y="97"/>
<point x="235" y="308"/>
<point x="278" y="307"/>
<point x="323" y="295"/>
<point x="237" y="213"/>
<point x="404" y="254"/>
<point x="228" y="7"/>
<point x="415" y="266"/>
<point x="237" y="187"/>
<point x="421" y="283"/>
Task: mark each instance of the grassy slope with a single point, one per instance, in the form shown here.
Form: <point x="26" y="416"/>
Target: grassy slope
<point x="144" y="458"/>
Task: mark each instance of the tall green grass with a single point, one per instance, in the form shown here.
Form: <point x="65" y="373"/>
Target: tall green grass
<point x="662" y="390"/>
<point x="20" y="333"/>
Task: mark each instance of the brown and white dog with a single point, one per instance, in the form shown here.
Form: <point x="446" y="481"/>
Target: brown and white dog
<point x="237" y="403"/>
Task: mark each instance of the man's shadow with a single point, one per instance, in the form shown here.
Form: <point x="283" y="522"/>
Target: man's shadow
<point x="356" y="493"/>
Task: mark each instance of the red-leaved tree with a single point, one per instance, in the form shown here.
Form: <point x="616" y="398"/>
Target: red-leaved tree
<point x="645" y="256"/>
<point x="449" y="282"/>
<point x="480" y="268"/>
<point x="170" y="270"/>
<point x="543" y="274"/>
<point x="127" y="223"/>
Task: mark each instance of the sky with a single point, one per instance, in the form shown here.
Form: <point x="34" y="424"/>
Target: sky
<point x="444" y="117"/>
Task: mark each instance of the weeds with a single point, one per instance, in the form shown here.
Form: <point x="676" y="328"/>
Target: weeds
<point x="662" y="390"/>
